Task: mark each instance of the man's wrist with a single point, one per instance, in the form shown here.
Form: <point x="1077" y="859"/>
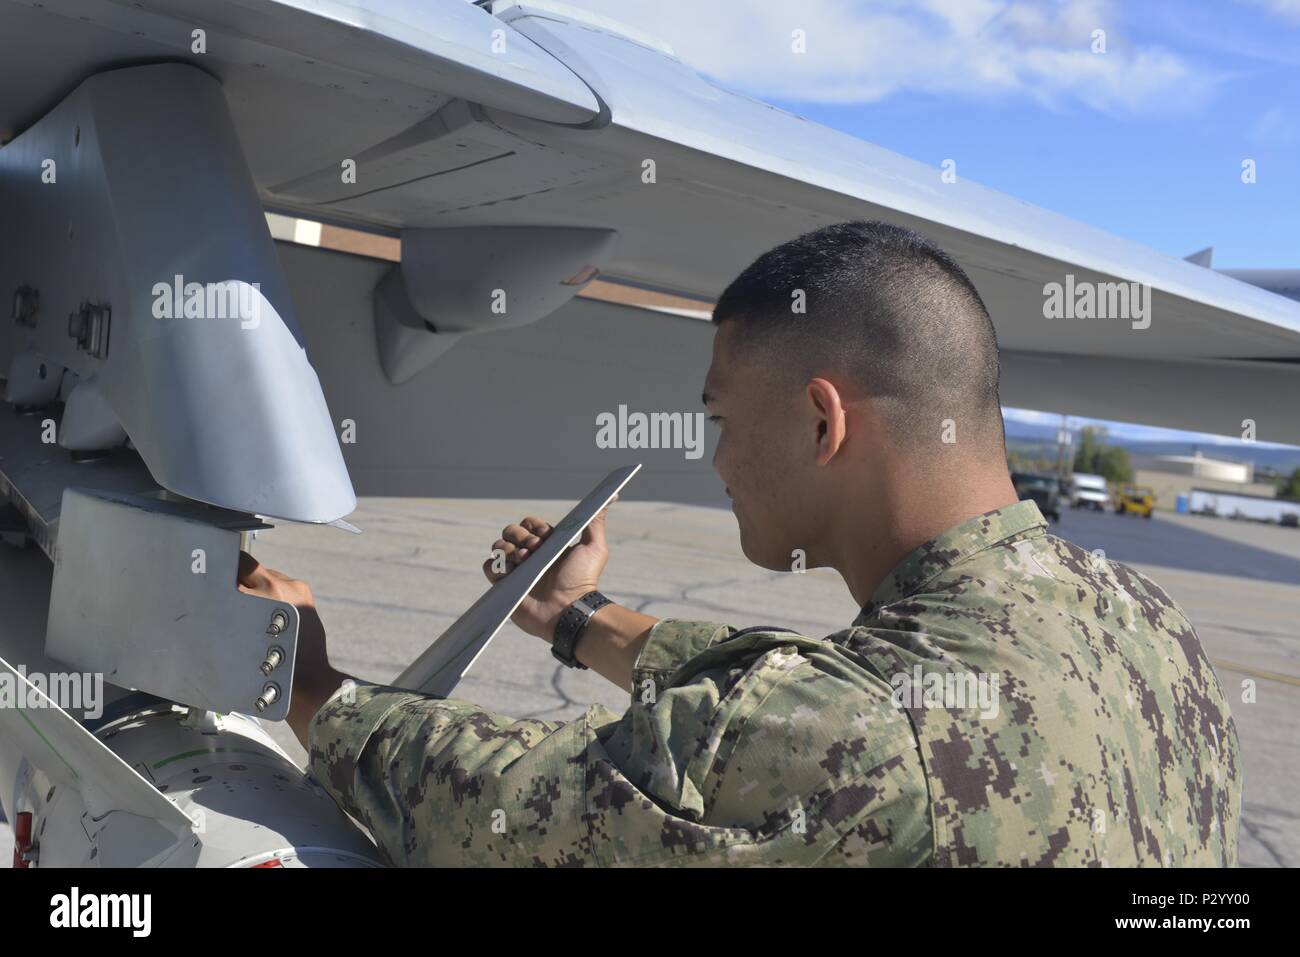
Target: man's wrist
<point x="573" y="625"/>
<point x="556" y="611"/>
<point x="612" y="640"/>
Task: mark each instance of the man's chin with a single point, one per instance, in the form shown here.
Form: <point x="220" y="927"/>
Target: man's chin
<point x="763" y="558"/>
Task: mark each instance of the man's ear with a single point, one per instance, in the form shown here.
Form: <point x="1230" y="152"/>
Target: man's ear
<point x="829" y="411"/>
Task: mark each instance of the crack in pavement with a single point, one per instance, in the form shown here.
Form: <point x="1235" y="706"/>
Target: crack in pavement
<point x="1250" y="828"/>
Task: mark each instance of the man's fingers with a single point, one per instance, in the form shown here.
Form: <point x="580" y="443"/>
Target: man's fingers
<point x="254" y="578"/>
<point x="489" y="569"/>
<point x="514" y="554"/>
<point x="538" y="526"/>
<point x="253" y="573"/>
<point x="516" y="543"/>
<point x="520" y="536"/>
<point x="248" y="569"/>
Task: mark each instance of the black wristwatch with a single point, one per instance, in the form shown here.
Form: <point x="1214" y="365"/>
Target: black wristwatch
<point x="571" y="625"/>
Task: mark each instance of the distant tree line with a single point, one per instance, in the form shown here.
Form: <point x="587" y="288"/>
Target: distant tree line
<point x="1289" y="487"/>
<point x="1018" y="461"/>
<point x="1095" y="457"/>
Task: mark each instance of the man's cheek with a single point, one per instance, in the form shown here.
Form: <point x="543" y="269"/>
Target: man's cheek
<point x="724" y="462"/>
<point x="742" y="448"/>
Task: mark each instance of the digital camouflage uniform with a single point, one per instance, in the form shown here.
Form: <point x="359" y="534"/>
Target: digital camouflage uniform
<point x="1110" y="743"/>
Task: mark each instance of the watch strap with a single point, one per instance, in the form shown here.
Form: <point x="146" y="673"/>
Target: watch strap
<point x="573" y="622"/>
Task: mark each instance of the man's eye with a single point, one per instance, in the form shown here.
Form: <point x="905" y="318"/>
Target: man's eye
<point x="715" y="419"/>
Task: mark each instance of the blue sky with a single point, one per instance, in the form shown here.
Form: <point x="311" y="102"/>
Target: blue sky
<point x="1164" y="170"/>
<point x="1145" y="140"/>
<point x="1139" y="433"/>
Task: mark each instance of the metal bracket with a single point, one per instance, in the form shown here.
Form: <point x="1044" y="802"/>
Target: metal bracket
<point x="27" y="303"/>
<point x="89" y="327"/>
<point x="145" y="593"/>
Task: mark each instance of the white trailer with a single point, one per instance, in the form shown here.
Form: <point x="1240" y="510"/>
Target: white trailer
<point x="1233" y="505"/>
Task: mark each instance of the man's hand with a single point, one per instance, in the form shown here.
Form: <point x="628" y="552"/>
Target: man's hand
<point x="574" y="574"/>
<point x="615" y="635"/>
<point x="314" y="680"/>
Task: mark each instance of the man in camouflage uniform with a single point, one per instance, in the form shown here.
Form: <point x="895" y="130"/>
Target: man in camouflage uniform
<point x="1003" y="699"/>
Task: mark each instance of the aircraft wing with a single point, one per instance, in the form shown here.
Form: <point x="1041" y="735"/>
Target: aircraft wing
<point x="734" y="176"/>
<point x="510" y="113"/>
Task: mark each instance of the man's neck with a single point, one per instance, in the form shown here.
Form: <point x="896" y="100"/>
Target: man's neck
<point x="907" y="516"/>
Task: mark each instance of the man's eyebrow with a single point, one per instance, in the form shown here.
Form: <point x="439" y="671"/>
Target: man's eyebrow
<point x="706" y="397"/>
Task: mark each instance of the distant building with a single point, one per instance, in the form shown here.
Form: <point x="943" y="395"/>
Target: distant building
<point x="1201" y="466"/>
<point x="1170" y="476"/>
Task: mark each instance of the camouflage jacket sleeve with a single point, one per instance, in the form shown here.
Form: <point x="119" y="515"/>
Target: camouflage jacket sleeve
<point x="730" y="753"/>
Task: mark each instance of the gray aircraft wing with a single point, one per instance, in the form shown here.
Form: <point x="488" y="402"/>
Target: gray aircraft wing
<point x="509" y="113"/>
<point x="571" y="108"/>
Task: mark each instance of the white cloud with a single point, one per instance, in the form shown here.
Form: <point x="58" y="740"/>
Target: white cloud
<point x="1031" y="416"/>
<point x="1287" y="9"/>
<point x="1275" y="125"/>
<point x="869" y="49"/>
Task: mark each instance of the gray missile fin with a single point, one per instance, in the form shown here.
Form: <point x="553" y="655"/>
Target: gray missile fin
<point x="56" y="743"/>
<point x="439" y="669"/>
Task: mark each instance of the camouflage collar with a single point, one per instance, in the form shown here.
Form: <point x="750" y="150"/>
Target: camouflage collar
<point x="955" y="545"/>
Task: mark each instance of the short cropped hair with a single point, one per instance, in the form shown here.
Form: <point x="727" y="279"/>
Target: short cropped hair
<point x="884" y="306"/>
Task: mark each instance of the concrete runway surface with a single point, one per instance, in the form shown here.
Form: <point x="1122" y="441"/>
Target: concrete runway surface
<point x="385" y="594"/>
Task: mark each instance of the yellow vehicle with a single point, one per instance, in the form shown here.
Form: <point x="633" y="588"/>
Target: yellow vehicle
<point x="1135" y="500"/>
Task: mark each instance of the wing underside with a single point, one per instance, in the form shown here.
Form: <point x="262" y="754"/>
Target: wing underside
<point x="558" y="124"/>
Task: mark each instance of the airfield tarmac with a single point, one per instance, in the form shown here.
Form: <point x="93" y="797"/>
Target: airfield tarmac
<point x="385" y="594"/>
